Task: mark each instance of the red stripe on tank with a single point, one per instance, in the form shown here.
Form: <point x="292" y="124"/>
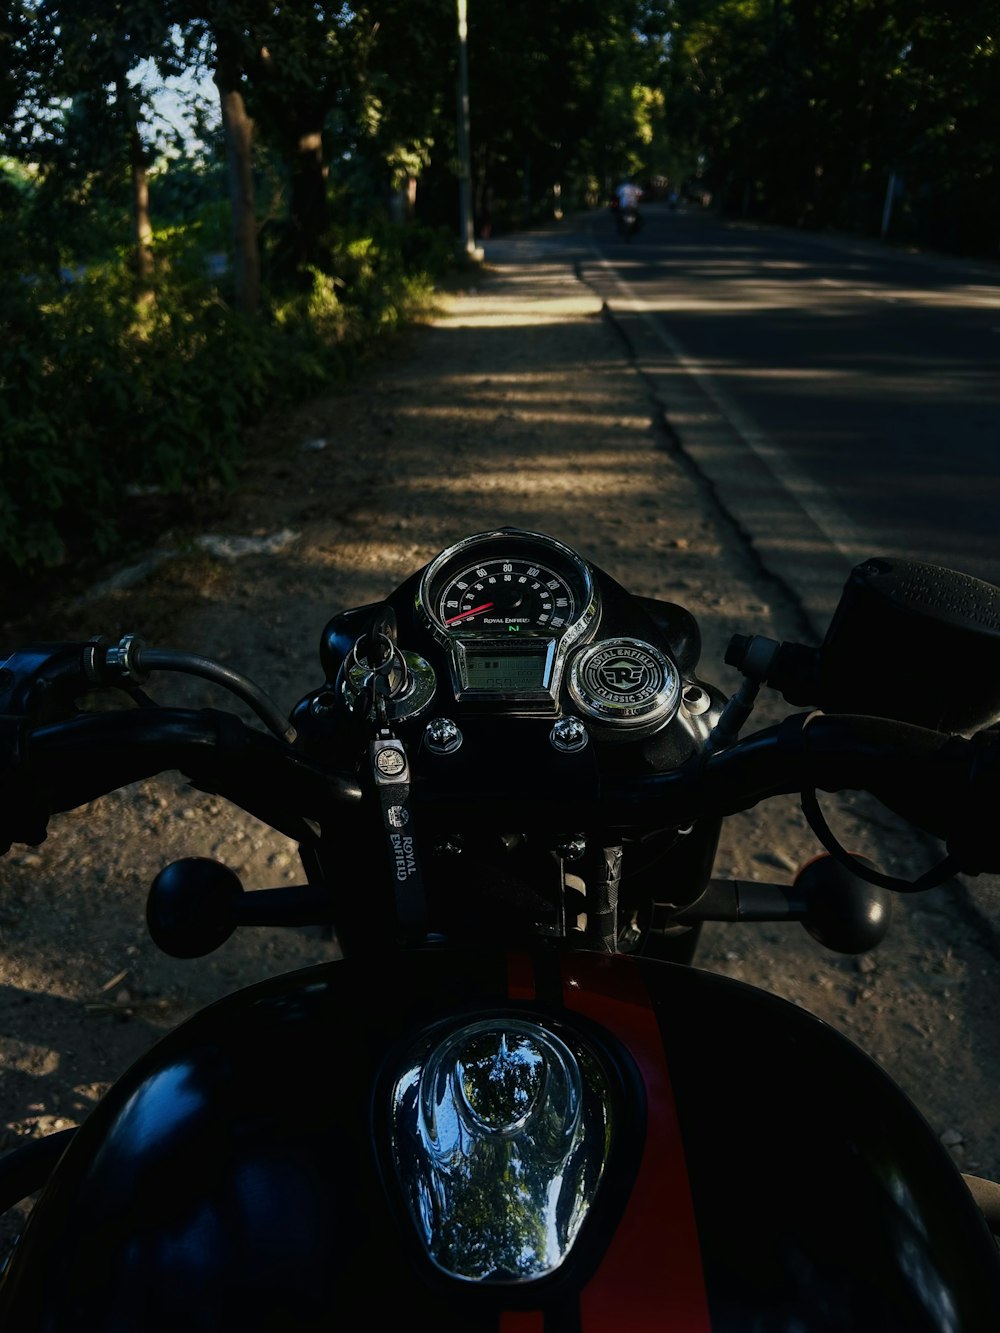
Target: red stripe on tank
<point x="651" y="1277"/>
<point x="520" y="977"/>
<point x="521" y="1321"/>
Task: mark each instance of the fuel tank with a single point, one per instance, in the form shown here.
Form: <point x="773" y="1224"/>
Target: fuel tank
<point x="514" y="1142"/>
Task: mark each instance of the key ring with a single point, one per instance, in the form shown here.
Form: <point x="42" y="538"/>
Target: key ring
<point x="387" y="657"/>
<point x="392" y="659"/>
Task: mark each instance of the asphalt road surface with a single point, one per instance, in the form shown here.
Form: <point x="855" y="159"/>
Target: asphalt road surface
<point x="843" y="395"/>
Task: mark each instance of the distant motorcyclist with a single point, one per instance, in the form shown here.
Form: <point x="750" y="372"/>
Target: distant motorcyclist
<point x="626" y="209"/>
<point x="628" y="195"/>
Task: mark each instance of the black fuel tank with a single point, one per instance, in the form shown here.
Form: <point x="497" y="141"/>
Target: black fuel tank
<point x="764" y="1174"/>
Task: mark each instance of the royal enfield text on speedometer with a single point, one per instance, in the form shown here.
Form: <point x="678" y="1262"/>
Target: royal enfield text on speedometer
<point x="501" y="596"/>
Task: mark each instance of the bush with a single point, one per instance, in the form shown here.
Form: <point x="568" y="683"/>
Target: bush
<point x="99" y="393"/>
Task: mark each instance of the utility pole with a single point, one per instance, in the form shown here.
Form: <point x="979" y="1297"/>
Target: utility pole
<point x="466" y="234"/>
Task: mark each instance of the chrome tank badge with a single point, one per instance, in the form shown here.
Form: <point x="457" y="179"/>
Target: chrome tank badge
<point x="500" y="1136"/>
<point x="626" y="682"/>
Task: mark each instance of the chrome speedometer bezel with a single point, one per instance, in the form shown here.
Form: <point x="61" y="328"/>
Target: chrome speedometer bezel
<point x="550" y="645"/>
<point x="551" y="602"/>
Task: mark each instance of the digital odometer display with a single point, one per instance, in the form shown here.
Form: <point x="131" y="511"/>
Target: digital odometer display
<point x="501" y="596"/>
<point x="505" y="673"/>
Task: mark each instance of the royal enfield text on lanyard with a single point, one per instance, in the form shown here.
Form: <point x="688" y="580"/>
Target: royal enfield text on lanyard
<point x="390" y="772"/>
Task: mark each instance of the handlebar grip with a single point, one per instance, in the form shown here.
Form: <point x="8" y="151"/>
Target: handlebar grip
<point x="947" y="785"/>
<point x="87" y="756"/>
<point x="24" y="809"/>
<point x="972" y="840"/>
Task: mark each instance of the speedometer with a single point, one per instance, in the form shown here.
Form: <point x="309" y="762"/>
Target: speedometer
<point x="499" y="596"/>
<point x="505" y="583"/>
<point x="507" y="607"/>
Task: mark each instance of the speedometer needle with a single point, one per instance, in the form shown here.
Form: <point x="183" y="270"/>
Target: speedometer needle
<point x="464" y="615"/>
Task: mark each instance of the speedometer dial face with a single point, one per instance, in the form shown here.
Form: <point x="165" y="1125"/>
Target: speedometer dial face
<point x="499" y="596"/>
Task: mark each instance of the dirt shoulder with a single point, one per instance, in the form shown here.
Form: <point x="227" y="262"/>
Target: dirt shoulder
<point x="516" y="405"/>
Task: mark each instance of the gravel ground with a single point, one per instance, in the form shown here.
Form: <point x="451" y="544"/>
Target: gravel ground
<point x="518" y="405"/>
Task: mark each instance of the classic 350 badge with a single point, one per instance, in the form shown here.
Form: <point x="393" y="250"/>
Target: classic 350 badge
<point x="625" y="681"/>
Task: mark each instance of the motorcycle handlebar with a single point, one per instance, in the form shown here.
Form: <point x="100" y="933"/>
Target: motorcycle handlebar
<point x="946" y="785"/>
<point x="65" y="764"/>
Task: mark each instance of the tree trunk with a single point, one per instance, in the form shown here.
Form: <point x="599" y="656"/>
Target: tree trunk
<point x="142" y="229"/>
<point x="307" y="206"/>
<point x="238" y="130"/>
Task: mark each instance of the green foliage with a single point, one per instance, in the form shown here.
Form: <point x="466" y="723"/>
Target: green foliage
<point x="189" y="192"/>
<point x="98" y="394"/>
<point x="106" y="386"/>
<point x="561" y="97"/>
<point x="47" y="463"/>
<point x="800" y="113"/>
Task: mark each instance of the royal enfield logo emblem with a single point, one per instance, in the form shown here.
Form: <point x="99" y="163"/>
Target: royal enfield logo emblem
<point x="625" y="681"/>
<point x="625" y="677"/>
<point x="623" y="674"/>
<point x="397" y="816"/>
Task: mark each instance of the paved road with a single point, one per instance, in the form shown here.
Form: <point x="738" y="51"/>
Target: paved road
<point x="843" y="396"/>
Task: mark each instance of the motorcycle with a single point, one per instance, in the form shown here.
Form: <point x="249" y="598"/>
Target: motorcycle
<point x="628" y="220"/>
<point x="516" y="1102"/>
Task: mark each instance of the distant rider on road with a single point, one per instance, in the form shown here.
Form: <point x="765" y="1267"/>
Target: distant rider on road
<point x="626" y="208"/>
<point x="628" y="194"/>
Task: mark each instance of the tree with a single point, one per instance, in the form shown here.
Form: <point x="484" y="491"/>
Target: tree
<point x="77" y="100"/>
<point x="219" y="37"/>
<point x="802" y="113"/>
<point x="403" y="103"/>
<point x="559" y="97"/>
<point x="365" y="87"/>
<point x="238" y="133"/>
